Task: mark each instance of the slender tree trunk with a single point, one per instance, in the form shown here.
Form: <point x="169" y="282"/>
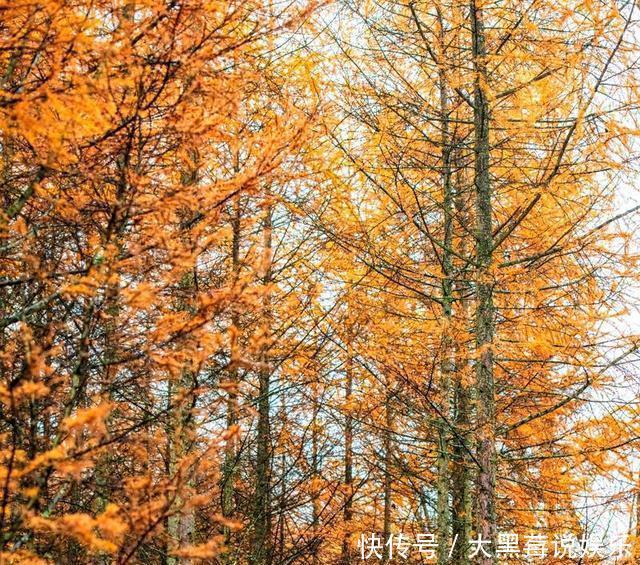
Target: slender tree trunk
<point x="484" y="316"/>
<point x="104" y="464"/>
<point x="261" y="550"/>
<point x="230" y="455"/>
<point x="315" y="470"/>
<point x="461" y="477"/>
<point x="282" y="495"/>
<point x="180" y="524"/>
<point x="348" y="462"/>
<point x="461" y="506"/>
<point x="446" y="363"/>
<point x="388" y="482"/>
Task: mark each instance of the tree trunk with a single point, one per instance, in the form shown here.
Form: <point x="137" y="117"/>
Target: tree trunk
<point x="181" y="523"/>
<point x="230" y="455"/>
<point x="484" y="315"/>
<point x="461" y="511"/>
<point x="315" y="473"/>
<point x="386" y="527"/>
<point x="348" y="462"/>
<point x="282" y="495"/>
<point x="261" y="550"/>
<point x="446" y="362"/>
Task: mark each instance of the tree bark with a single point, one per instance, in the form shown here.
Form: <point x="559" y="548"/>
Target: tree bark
<point x="446" y="362"/>
<point x="484" y="315"/>
<point x="461" y="507"/>
<point x="388" y="482"/>
<point x="348" y="462"/>
<point x="315" y="473"/>
<point x="230" y="455"/>
<point x="261" y="550"/>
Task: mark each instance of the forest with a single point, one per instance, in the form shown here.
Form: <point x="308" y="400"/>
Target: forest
<point x="319" y="282"/>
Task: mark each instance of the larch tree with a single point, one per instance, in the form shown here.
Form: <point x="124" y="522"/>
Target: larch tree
<point x="117" y="123"/>
<point x="490" y="135"/>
